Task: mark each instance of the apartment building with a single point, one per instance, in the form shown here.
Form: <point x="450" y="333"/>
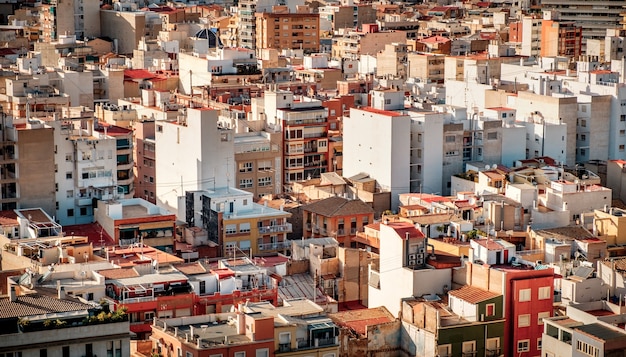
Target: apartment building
<point x="124" y="154"/>
<point x="335" y="17"/>
<point x="336" y="217"/>
<point x="235" y="222"/>
<point x="427" y="67"/>
<point x="281" y="29"/>
<point x="26" y="328"/>
<point x="593" y="21"/>
<point x="179" y="169"/>
<point x="74" y="17"/>
<point x="472" y="323"/>
<point x="27" y="165"/>
<point x="392" y="61"/>
<point x="528" y="299"/>
<point x="86" y="165"/>
<point x="369" y="41"/>
<point x="560" y="38"/>
<point x="258" y="160"/>
<point x="402" y="269"/>
<point x="246" y="12"/>
<point x="303" y="124"/>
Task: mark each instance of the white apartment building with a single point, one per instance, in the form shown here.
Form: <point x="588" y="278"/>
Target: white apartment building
<point x="377" y="141"/>
<point x="193" y="153"/>
<point x="403" y="271"/>
<point x="86" y="165"/>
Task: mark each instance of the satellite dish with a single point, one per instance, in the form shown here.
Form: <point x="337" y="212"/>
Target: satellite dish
<point x="486" y="167"/>
<point x="494" y="166"/>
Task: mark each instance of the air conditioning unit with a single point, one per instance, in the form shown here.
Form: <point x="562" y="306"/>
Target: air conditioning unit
<point x="421" y="250"/>
<point x="412" y="262"/>
<point x="412" y="257"/>
<point x="419" y="256"/>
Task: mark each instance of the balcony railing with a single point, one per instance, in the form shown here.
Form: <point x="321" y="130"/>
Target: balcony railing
<point x="496" y="352"/>
<point x="280" y="228"/>
<point x="275" y="246"/>
<point x="284" y="347"/>
<point x="469" y="354"/>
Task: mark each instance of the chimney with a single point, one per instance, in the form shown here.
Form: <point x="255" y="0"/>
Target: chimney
<point x="12" y="294"/>
<point x="61" y="292"/>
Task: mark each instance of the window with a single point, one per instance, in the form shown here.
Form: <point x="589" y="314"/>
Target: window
<point x="264" y="165"/>
<point x="322" y="143"/>
<point x="66" y="351"/>
<point x="622" y="132"/>
<point x="387" y="101"/>
<point x="492" y="136"/>
<point x="450" y="138"/>
<point x="245" y="167"/>
<point x="265" y="181"/>
<point x="587" y="349"/>
<point x="444" y="350"/>
<point x="70" y="212"/>
<point x="524" y="295"/>
<point x="523" y="320"/>
<point x="469" y="346"/>
<point x="83" y="211"/>
<point x="86" y="155"/>
<point x="539" y="344"/>
<point x="68" y="157"/>
<point x="68" y="175"/>
<point x="621" y="147"/>
<point x="544" y="292"/>
<point x="188" y="354"/>
<point x="43" y="353"/>
<point x="523" y="345"/>
<point x="490" y="309"/>
<point x="69" y="193"/>
<point x="245" y="183"/>
<point x="240" y="354"/>
<point x="541" y="316"/>
<point x="583" y="123"/>
<point x="159" y="128"/>
<point x="244" y="227"/>
<point x="230" y="229"/>
<point x="264" y="352"/>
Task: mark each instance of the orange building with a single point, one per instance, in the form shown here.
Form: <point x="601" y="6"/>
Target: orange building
<point x="283" y="30"/>
<point x="559" y="38"/>
<point x="336" y="217"/>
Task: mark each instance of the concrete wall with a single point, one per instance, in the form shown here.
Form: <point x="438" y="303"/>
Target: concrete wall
<point x="126" y="27"/>
<point x="35" y="167"/>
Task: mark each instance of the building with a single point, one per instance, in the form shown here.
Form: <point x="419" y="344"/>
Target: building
<point x="27" y="161"/>
<point x="594" y="23"/>
<point x="303" y="124"/>
<point x="235" y="222"/>
<point x="124" y="154"/>
<point x="246" y="13"/>
<point x="376" y="141"/>
<point x="258" y="158"/>
<point x="75" y="17"/>
<point x="132" y="221"/>
<point x="402" y="269"/>
<point x="528" y="298"/>
<point x="467" y="321"/>
<point x="179" y="169"/>
<point x="592" y="328"/>
<point x="336" y="217"/>
<point x="281" y="29"/>
<point x="86" y="168"/>
<point x="559" y="38"/>
<point x="34" y="323"/>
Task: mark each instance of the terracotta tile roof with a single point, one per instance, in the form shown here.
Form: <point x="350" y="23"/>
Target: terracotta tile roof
<point x="118" y="273"/>
<point x="472" y="294"/>
<point x="138" y="74"/>
<point x="358" y="320"/>
<point x="402" y="228"/>
<point x="191" y="269"/>
<point x="8" y="218"/>
<point x="37" y="304"/>
<point x="338" y="206"/>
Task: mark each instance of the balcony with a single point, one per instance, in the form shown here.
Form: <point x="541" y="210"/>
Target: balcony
<point x="275" y="246"/>
<point x="469" y="354"/>
<point x="284" y="347"/>
<point x="496" y="352"/>
<point x="280" y="228"/>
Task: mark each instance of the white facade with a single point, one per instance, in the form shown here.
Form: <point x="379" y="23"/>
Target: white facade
<point x="194" y="154"/>
<point x="377" y="142"/>
<point x="398" y="281"/>
<point x="86" y="168"/>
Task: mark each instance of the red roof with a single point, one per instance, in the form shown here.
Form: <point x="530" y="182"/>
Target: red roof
<point x="93" y="232"/>
<point x="138" y="74"/>
<point x="389" y="113"/>
<point x="405" y="230"/>
<point x="435" y="39"/>
<point x="472" y="294"/>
